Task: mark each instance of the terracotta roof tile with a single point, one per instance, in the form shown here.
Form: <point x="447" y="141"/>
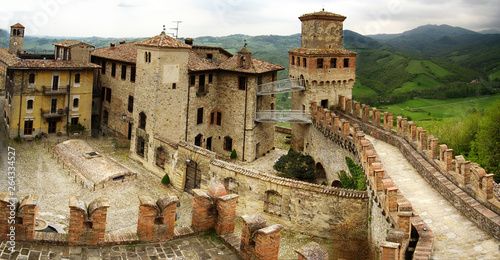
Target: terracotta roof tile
<point x="7" y="58"/>
<point x="198" y="63"/>
<point x="69" y="43"/>
<point x="54" y="64"/>
<point x="257" y="66"/>
<point x="163" y="41"/>
<point x="324" y="15"/>
<point x="17" y="25"/>
<point x="322" y="51"/>
<point x="126" y="52"/>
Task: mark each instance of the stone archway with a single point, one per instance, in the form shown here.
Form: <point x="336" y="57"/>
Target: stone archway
<point x="337" y="183"/>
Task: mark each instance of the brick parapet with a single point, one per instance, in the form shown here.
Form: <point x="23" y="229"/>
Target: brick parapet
<point x="258" y="240"/>
<point x="485" y="214"/>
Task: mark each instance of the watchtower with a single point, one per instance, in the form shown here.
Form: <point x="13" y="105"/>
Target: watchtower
<point x="16" y="38"/>
<point x="322" y="65"/>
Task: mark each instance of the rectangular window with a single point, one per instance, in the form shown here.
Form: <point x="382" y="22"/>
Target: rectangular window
<point x="242" y="83"/>
<point x="103" y="68"/>
<point x="199" y="116"/>
<point x="293" y="60"/>
<point x="124" y="71"/>
<point x="108" y="95"/>
<point x="319" y="64"/>
<point x="192" y="80"/>
<point x="304" y="61"/>
<point x="55" y="82"/>
<point x="201" y="84"/>
<point x="174" y="85"/>
<point x="298" y="61"/>
<point x="140" y="146"/>
<point x="228" y="143"/>
<point x="209" y="56"/>
<point x="113" y="69"/>
<point x="130" y="104"/>
<point x="32" y="78"/>
<point x="259" y="80"/>
<point x="210" y="78"/>
<point x="333" y="63"/>
<point x="219" y="118"/>
<point x="346" y="63"/>
<point x="77" y="78"/>
<point x="212" y="118"/>
<point x="132" y="74"/>
<point x="74" y="120"/>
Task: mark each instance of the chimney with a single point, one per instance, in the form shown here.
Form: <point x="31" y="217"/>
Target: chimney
<point x="112" y="44"/>
<point x="122" y="42"/>
<point x="189" y="41"/>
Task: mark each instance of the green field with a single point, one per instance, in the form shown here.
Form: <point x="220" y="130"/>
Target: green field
<point x="429" y="109"/>
<point x="359" y="90"/>
<point x="422" y="81"/>
<point x="426" y="67"/>
<point x="495" y="75"/>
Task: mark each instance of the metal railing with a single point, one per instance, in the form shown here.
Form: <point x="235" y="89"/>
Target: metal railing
<point x="55" y="91"/>
<point x="283" y="116"/>
<point x="53" y="114"/>
<point x="280" y="86"/>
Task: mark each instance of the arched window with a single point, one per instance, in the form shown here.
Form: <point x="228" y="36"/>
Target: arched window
<point x="142" y="120"/>
<point x="198" y="139"/>
<point x="30" y="104"/>
<point x="272" y="204"/>
<point x="76" y="102"/>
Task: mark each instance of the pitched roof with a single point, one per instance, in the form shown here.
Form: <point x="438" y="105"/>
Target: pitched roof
<point x="163" y="41"/>
<point x="13" y="61"/>
<point x="256" y="65"/>
<point x="197" y="63"/>
<point x="322" y="15"/>
<point x="126" y="52"/>
<point x="17" y="25"/>
<point x="70" y="43"/>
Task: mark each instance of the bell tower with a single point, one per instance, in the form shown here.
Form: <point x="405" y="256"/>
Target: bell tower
<point x="16" y="38"/>
<point x="322" y="65"/>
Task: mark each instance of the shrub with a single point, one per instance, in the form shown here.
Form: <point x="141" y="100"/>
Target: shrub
<point x="357" y="179"/>
<point x="296" y="165"/>
<point x="165" y="180"/>
<point x="75" y="128"/>
<point x="234" y="155"/>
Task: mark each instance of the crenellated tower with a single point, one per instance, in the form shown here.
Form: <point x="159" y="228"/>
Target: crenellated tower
<point x="322" y="65"/>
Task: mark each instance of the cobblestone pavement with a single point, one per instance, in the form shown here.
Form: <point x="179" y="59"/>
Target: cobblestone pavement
<point x="456" y="237"/>
<point x="192" y="248"/>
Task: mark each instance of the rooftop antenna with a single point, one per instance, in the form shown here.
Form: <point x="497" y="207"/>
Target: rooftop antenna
<point x="176" y="29"/>
<point x="164" y="28"/>
<point x="245" y="43"/>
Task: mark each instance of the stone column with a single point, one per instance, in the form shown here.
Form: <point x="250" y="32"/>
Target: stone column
<point x="348" y="106"/>
<point x="357" y="109"/>
<point x="226" y="209"/>
<point x="267" y="242"/>
<point x="365" y="113"/>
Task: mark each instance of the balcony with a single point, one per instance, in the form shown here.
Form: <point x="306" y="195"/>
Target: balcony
<point x="280" y="86"/>
<point x="51" y="114"/>
<point x="283" y="116"/>
<point x="51" y="91"/>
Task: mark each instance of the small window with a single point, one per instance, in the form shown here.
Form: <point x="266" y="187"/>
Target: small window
<point x="273" y="201"/>
<point x="132" y="74"/>
<point x="32" y="78"/>
<point x="210" y="78"/>
<point x="201" y="84"/>
<point x="212" y="118"/>
<point x="105" y="117"/>
<point x="199" y="116"/>
<point x="113" y="69"/>
<point x="346" y="63"/>
<point x="142" y="120"/>
<point x="130" y="107"/>
<point x="55" y="82"/>
<point x="293" y="60"/>
<point x="242" y="83"/>
<point x="259" y="80"/>
<point x="103" y="67"/>
<point x="174" y="85"/>
<point x="76" y="102"/>
<point x="219" y="118"/>
<point x="319" y="64"/>
<point x="198" y="140"/>
<point x="149" y="57"/>
<point x="324" y="103"/>
<point x="108" y="95"/>
<point x="298" y="61"/>
<point x="304" y="62"/>
<point x="192" y="80"/>
<point x="209" y="56"/>
<point x="124" y="71"/>
<point x="160" y="157"/>
<point x="146" y="56"/>
<point x="29" y="105"/>
<point x="141" y="146"/>
<point x="77" y="78"/>
<point x="333" y="63"/>
<point x="228" y="143"/>
<point x="74" y="120"/>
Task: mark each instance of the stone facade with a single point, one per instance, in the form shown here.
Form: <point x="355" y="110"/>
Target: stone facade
<point x="322" y="65"/>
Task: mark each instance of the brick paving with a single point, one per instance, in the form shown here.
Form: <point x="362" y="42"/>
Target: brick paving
<point x="197" y="247"/>
<point x="456" y="237"/>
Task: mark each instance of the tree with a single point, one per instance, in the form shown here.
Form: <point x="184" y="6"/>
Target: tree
<point x="486" y="147"/>
<point x="165" y="180"/>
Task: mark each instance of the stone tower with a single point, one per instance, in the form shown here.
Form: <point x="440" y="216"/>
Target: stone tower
<point x="323" y="66"/>
<point x="16" y="38"/>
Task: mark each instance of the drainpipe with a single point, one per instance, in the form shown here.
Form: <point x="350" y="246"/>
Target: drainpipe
<point x="187" y="110"/>
<point x="245" y="122"/>
<point x="69" y="98"/>
<point x="20" y="105"/>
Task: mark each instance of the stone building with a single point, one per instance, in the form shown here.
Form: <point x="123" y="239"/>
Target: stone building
<point x="46" y="93"/>
<point x="163" y="90"/>
<point x="322" y="65"/>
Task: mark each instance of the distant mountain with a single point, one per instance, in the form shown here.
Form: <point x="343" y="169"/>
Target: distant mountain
<point x="4" y="39"/>
<point x="432" y="31"/>
<point x="490" y="31"/>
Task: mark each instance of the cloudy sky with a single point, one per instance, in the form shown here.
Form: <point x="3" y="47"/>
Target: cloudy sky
<point x="144" y="18"/>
